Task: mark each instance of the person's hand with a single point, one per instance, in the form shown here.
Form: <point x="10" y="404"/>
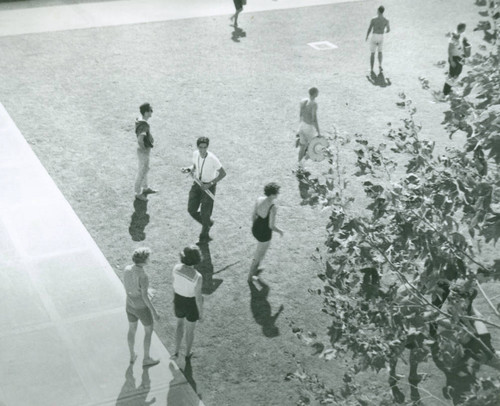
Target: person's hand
<point x="452" y="64"/>
<point x="280" y="233"/>
<point x="185" y="170"/>
<point x="200" y="319"/>
<point x="205" y="186"/>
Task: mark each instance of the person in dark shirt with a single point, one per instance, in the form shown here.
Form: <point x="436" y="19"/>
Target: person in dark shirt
<point x="144" y="145"/>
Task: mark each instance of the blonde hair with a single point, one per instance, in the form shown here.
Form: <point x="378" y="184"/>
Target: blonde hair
<point x="141" y="255"/>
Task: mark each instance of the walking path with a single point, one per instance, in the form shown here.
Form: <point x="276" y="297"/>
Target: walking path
<point x="63" y="328"/>
<point x="35" y="19"/>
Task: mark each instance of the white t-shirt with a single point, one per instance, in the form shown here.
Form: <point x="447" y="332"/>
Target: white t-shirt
<point x="206" y="169"/>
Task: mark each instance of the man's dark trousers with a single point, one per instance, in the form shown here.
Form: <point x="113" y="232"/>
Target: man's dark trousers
<point x="454" y="72"/>
<point x="198" y="199"/>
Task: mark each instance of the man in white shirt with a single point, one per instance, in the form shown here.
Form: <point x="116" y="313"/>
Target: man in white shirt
<point x="456" y="57"/>
<point x="208" y="170"/>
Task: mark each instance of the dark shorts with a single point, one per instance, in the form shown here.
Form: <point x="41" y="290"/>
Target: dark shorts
<point x="185" y="307"/>
<point x="144" y="315"/>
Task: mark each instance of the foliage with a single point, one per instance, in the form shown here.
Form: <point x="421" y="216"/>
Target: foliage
<point x="405" y="274"/>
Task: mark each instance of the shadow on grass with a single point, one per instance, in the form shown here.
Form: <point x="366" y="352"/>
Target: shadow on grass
<point x="139" y="220"/>
<point x="237" y="33"/>
<point x="379" y="80"/>
<point x="206" y="269"/>
<point x="261" y="308"/>
<point x="130" y="395"/>
<point x="188" y="373"/>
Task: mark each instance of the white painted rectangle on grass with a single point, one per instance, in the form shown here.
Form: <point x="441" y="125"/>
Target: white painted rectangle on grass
<point x="322" y="45"/>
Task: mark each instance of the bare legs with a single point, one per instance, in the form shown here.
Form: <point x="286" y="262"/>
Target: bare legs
<point x="179" y="335"/>
<point x="132" y="329"/>
<point x="372" y="61"/>
<point x="235" y="16"/>
<point x="260" y="252"/>
<point x="148" y="332"/>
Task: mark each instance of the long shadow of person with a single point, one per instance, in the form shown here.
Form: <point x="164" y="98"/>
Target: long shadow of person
<point x="261" y="308"/>
<point x="188" y="373"/>
<point x="139" y="220"/>
<point x="237" y="33"/>
<point x="132" y="396"/>
<point x="206" y="269"/>
<point x="177" y="394"/>
<point x="379" y="80"/>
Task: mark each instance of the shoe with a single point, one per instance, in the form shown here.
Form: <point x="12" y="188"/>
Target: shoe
<point x="149" y="191"/>
<point x="150" y="362"/>
<point x="141" y="197"/>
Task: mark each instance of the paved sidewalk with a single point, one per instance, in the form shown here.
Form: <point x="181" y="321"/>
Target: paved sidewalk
<point x="63" y="326"/>
<point x="35" y="19"/>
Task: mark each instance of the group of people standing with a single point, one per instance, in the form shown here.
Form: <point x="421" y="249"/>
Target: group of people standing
<point x="207" y="171"/>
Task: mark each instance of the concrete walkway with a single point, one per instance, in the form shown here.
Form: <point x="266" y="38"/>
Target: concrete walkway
<point x="35" y="19"/>
<point x="63" y="326"/>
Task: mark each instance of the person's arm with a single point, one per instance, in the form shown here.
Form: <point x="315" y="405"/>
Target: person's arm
<point x="387" y="27"/>
<point x="272" y="221"/>
<point x="315" y="118"/>
<point x="301" y="110"/>
<point x="140" y="140"/>
<point x="144" y="283"/>
<point x="199" y="297"/>
<point x="189" y="169"/>
<point x="221" y="175"/>
<point x="254" y="213"/>
<point x="369" y="30"/>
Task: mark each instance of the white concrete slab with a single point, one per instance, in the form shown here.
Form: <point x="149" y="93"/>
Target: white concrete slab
<point x="63" y="327"/>
<point x="102" y="14"/>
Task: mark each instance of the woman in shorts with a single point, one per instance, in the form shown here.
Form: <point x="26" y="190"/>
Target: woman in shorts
<point x="138" y="306"/>
<point x="188" y="301"/>
<point x="263" y="225"/>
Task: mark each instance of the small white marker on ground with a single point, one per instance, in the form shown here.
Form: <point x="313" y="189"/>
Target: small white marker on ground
<point x="322" y="45"/>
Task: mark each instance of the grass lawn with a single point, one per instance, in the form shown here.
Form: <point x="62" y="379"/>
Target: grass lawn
<point x="75" y="95"/>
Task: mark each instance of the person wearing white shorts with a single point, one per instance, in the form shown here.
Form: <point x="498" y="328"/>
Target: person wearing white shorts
<point x="308" y="127"/>
<point x="379" y="25"/>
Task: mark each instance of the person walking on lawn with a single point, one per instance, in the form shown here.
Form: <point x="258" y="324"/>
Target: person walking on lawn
<point x="379" y="25"/>
<point x="263" y="225"/>
<point x="456" y="56"/>
<point x="207" y="171"/>
<point x="144" y="145"/>
<point x="308" y="127"/>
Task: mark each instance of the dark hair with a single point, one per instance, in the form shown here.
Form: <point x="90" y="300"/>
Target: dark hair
<point x="461" y="26"/>
<point x="191" y="255"/>
<point x="271" y="189"/>
<point x="202" y="140"/>
<point x="381" y="9"/>
<point x="313" y="91"/>
<point x="144" y="108"/>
